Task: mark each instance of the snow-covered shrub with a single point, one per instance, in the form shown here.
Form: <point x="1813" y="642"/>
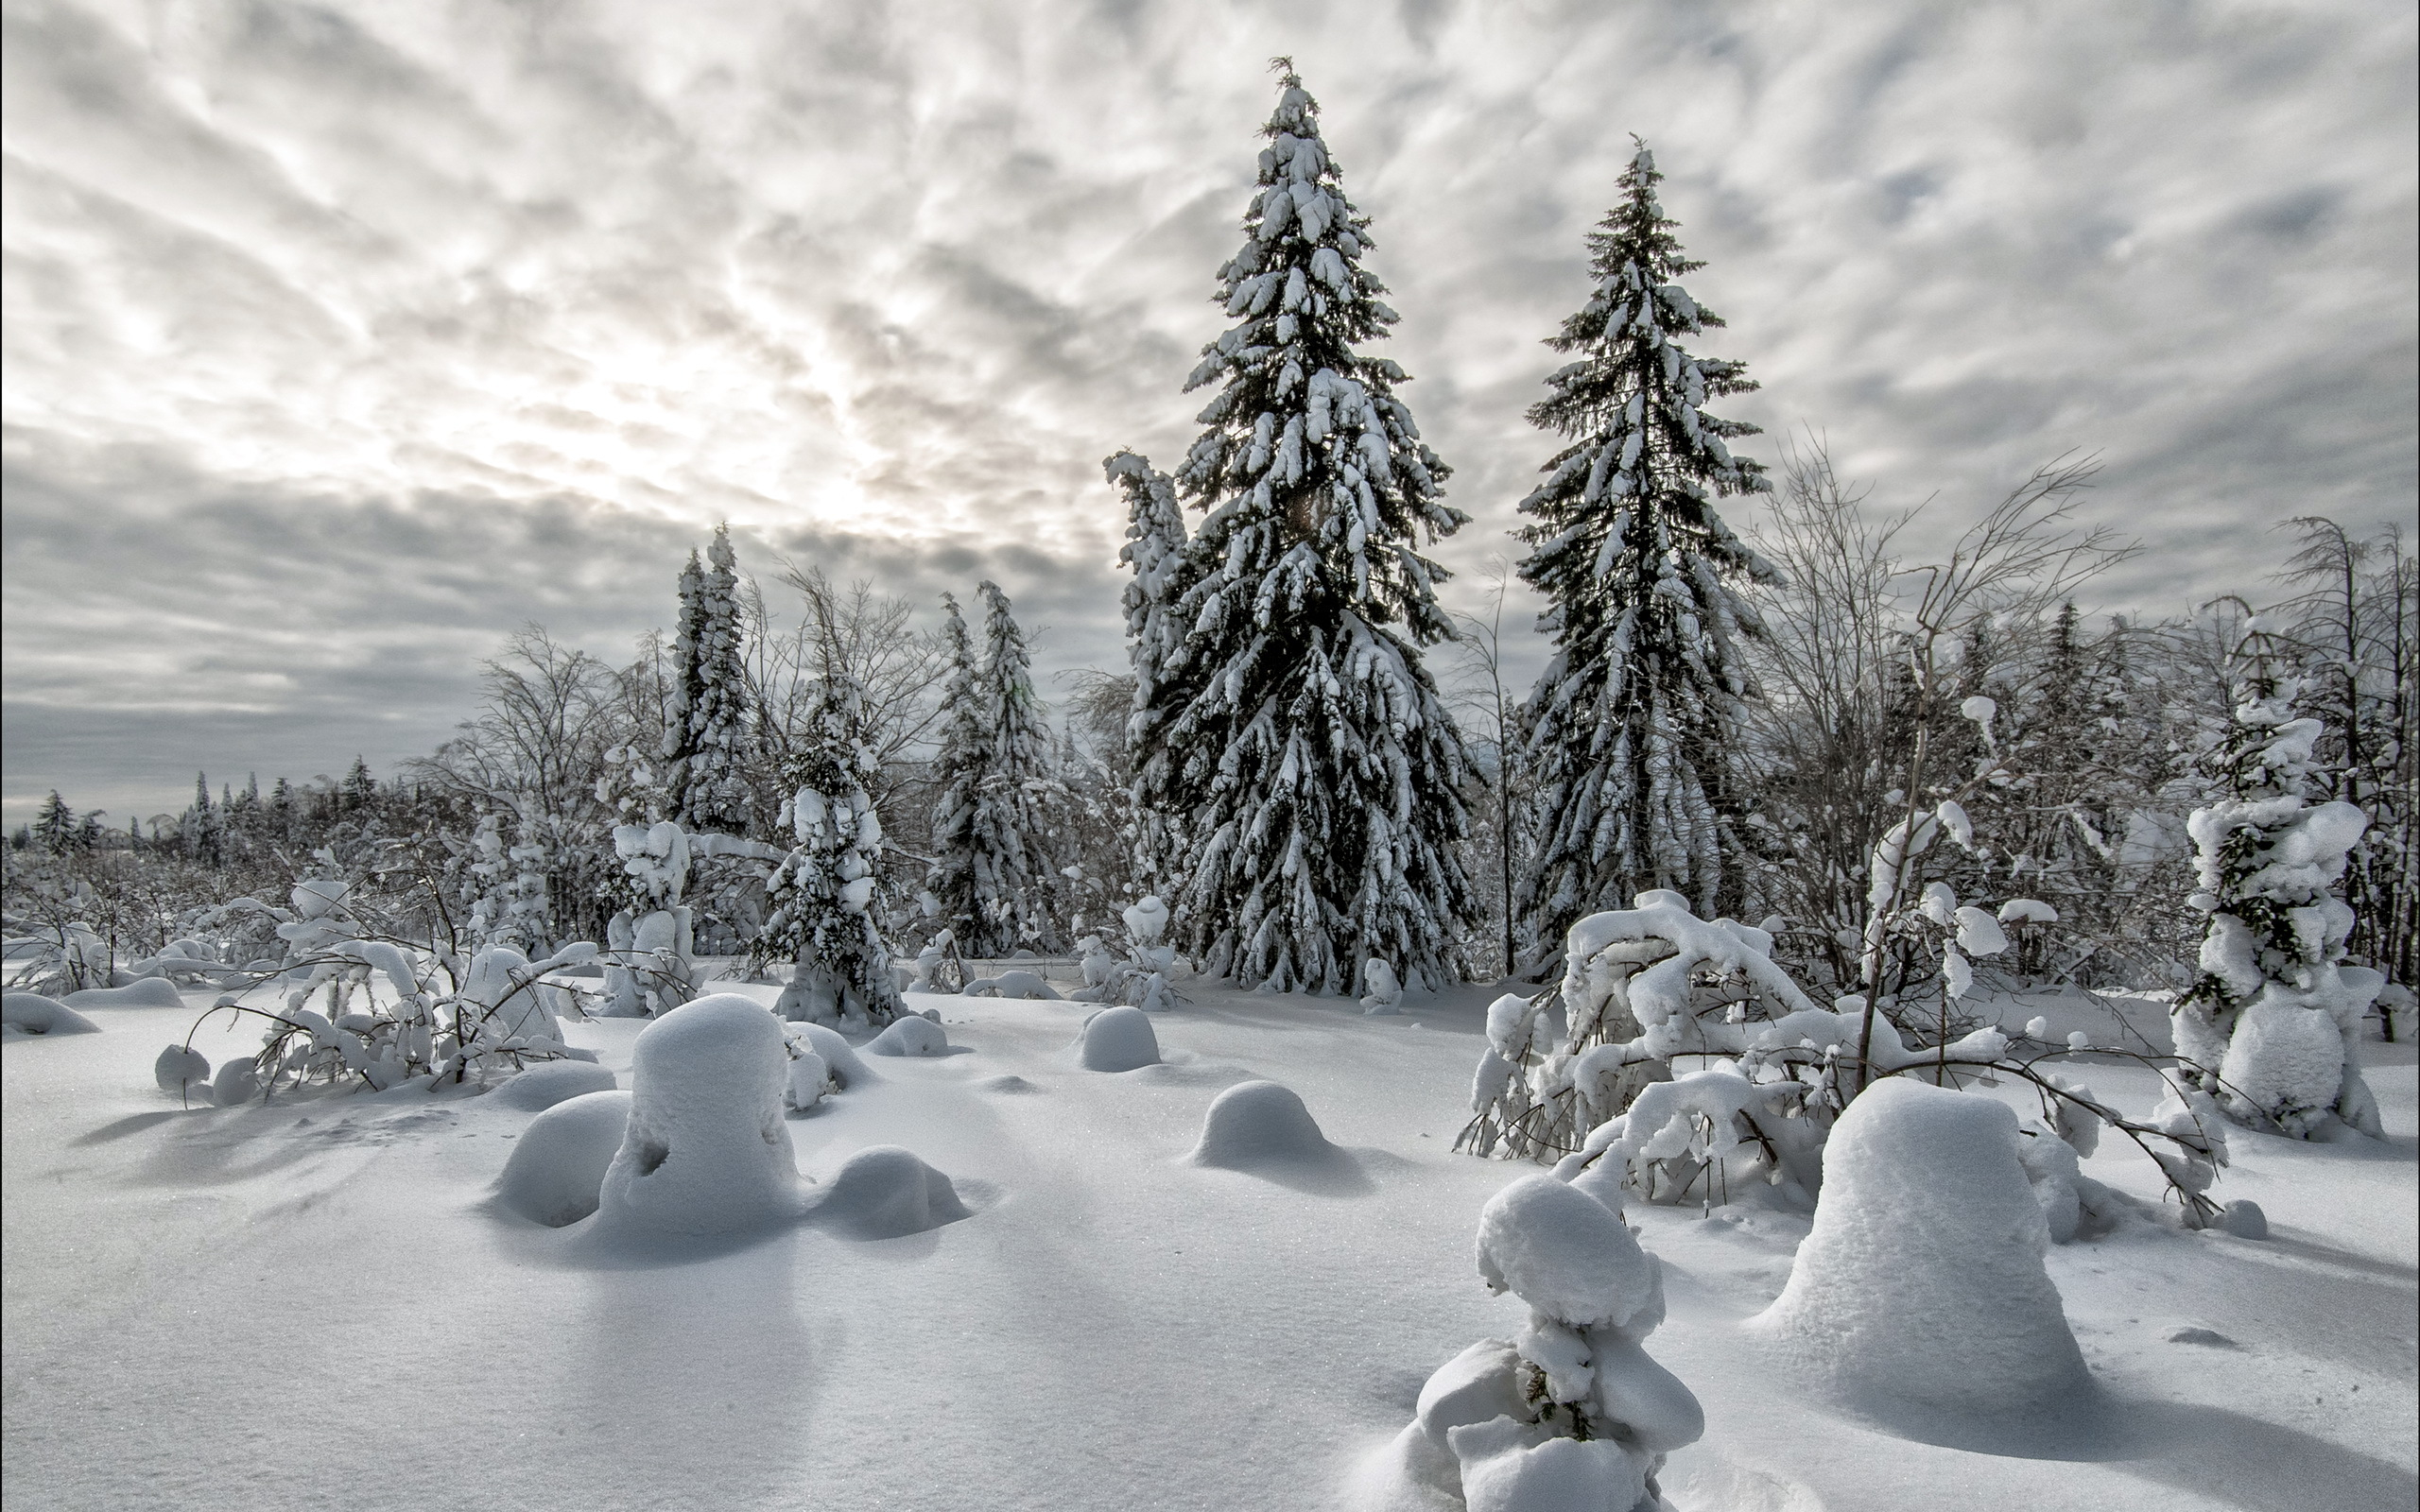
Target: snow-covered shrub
<point x="841" y="1063"/>
<point x="442" y="1017"/>
<point x="1573" y="1413"/>
<point x="1141" y="979"/>
<point x="706" y="1150"/>
<point x="650" y="967"/>
<point x="56" y="958"/>
<point x="1920" y="1288"/>
<point x="1589" y="1072"/>
<point x="2273" y="1023"/>
<point x="823" y="895"/>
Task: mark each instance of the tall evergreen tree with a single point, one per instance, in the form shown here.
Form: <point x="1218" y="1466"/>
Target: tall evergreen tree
<point x="1630" y="724"/>
<point x="1317" y="772"/>
<point x="1014" y="823"/>
<point x="688" y="688"/>
<point x="713" y="783"/>
<point x="359" y="786"/>
<point x="958" y="769"/>
<point x="55" y="826"/>
<point x="1155" y="648"/>
<point x="197" y="828"/>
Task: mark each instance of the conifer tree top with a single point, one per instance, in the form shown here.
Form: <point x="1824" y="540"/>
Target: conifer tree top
<point x="1311" y="466"/>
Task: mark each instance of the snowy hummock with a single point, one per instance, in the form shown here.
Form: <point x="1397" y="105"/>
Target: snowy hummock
<point x="886" y="1193"/>
<point x="911" y="1036"/>
<point x="1920" y="1295"/>
<point x="31" y="1013"/>
<point x="543" y="1086"/>
<point x="706" y="1151"/>
<point x="558" y="1165"/>
<point x="1118" y="1039"/>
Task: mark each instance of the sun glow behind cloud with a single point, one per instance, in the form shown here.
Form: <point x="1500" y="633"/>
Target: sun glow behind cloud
<point x="296" y="291"/>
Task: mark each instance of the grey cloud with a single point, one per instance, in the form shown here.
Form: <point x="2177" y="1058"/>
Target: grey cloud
<point x="535" y="295"/>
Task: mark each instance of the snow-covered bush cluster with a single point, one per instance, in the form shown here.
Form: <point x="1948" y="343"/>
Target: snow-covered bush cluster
<point x="1592" y="1073"/>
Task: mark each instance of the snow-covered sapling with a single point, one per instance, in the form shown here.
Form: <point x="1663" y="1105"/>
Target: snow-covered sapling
<point x="1572" y="1412"/>
<point x="1385" y="994"/>
<point x="2273" y="1023"/>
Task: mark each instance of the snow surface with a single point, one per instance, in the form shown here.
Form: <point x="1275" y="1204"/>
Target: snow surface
<point x="315" y="1302"/>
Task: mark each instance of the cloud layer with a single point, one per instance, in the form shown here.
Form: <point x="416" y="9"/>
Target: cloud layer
<point x="339" y="339"/>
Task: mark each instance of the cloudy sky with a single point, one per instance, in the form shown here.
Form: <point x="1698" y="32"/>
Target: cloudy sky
<point x="342" y="338"/>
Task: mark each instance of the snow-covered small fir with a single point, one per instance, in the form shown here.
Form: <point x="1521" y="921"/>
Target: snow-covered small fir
<point x="1315" y="771"/>
<point x="822" y="893"/>
<point x="2273" y="1021"/>
<point x="1630" y="725"/>
<point x="1155" y="648"/>
<point x="711" y="724"/>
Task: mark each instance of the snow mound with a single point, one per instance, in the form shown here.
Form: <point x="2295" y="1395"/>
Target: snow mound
<point x="150" y="993"/>
<point x="1121" y="1038"/>
<point x="1012" y="985"/>
<point x="706" y="1150"/>
<point x="558" y="1166"/>
<point x="1263" y="1130"/>
<point x="810" y="1078"/>
<point x="1920" y="1293"/>
<point x="1010" y="1086"/>
<point x="543" y="1086"/>
<point x="32" y="1013"/>
<point x="911" y="1036"/>
<point x="182" y="1070"/>
<point x="839" y="1057"/>
<point x="238" y="1082"/>
<point x="885" y="1192"/>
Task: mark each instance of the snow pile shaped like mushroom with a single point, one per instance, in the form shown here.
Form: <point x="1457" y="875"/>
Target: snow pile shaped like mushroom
<point x="707" y="1150"/>
<point x="1920" y="1295"/>
<point x="1573" y="1413"/>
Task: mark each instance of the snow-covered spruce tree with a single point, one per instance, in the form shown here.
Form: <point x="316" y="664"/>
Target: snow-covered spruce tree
<point x="958" y="769"/>
<point x="1013" y="843"/>
<point x="1316" y="772"/>
<point x="1155" y="648"/>
<point x="713" y="784"/>
<point x="2273" y="1023"/>
<point x="1630" y="724"/>
<point x="822" y="893"/>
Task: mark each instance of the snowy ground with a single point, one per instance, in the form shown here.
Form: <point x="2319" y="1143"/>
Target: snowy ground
<point x="311" y="1304"/>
